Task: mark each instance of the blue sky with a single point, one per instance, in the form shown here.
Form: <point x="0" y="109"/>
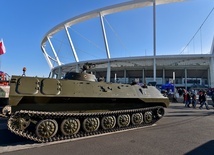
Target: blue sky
<point x="24" y="23"/>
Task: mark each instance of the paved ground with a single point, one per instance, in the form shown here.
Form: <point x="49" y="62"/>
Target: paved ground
<point x="182" y="131"/>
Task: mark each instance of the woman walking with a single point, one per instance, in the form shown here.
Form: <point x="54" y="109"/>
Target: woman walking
<point x="203" y="100"/>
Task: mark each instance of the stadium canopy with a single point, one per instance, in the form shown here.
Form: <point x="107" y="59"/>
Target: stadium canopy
<point x="105" y="11"/>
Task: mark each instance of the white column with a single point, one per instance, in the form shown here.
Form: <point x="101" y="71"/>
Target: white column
<point x="125" y="75"/>
<point x="108" y="75"/>
<point x="208" y="77"/>
<point x="211" y="70"/>
<point x="164" y="80"/>
<point x="185" y="78"/>
<point x="154" y="69"/>
<point x="143" y="76"/>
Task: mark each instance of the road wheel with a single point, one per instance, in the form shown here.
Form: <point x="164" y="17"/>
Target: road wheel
<point x="46" y="128"/>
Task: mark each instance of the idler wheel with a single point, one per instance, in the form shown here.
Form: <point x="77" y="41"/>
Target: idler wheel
<point x="123" y="120"/>
<point x="148" y="117"/>
<point x="108" y="122"/>
<point x="137" y="118"/>
<point x="70" y="126"/>
<point x="91" y="124"/>
<point x="46" y="128"/>
<point x="160" y="112"/>
<point x="20" y="123"/>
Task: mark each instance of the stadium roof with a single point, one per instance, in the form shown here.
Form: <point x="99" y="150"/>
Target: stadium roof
<point x="105" y="11"/>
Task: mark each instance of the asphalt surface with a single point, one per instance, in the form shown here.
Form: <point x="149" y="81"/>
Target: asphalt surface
<point x="181" y="131"/>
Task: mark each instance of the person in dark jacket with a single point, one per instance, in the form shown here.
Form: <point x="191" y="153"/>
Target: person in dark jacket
<point x="193" y="100"/>
<point x="203" y="100"/>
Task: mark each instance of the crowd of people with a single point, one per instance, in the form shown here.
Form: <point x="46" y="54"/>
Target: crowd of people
<point x="190" y="99"/>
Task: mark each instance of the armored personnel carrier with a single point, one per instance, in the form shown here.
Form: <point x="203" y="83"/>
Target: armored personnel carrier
<point x="48" y="109"/>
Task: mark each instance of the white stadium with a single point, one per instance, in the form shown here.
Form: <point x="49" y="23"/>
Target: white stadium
<point x="184" y="70"/>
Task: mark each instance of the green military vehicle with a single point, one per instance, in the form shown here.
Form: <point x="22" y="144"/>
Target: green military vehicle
<point x="48" y="109"/>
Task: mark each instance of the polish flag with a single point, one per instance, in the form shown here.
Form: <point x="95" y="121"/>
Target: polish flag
<point x="2" y="47"/>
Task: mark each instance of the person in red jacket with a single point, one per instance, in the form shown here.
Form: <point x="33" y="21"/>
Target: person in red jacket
<point x="186" y="98"/>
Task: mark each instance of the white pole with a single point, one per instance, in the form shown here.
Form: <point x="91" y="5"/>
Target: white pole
<point x="71" y="44"/>
<point x="154" y="39"/>
<point x="47" y="57"/>
<point x="115" y="78"/>
<point x="54" y="52"/>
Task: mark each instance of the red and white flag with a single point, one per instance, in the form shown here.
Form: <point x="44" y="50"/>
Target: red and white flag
<point x="2" y="47"/>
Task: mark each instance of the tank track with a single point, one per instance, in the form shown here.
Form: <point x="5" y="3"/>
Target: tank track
<point x="32" y="119"/>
